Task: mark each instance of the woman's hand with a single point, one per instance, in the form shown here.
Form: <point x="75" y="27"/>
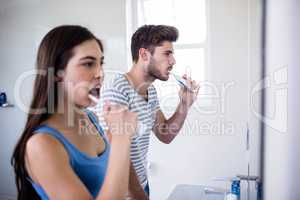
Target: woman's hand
<point x="120" y="121"/>
<point x="122" y="125"/>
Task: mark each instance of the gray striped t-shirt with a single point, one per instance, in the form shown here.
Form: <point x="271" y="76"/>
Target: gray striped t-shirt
<point x="121" y="92"/>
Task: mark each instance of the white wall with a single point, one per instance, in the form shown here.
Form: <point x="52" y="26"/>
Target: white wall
<point x="197" y="155"/>
<point x="281" y="163"/>
<point x="23" y="24"/>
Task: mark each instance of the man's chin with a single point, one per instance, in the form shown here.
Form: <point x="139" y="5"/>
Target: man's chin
<point x="164" y="78"/>
<point x="161" y="77"/>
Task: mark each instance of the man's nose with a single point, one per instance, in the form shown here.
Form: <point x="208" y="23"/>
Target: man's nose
<point x="172" y="60"/>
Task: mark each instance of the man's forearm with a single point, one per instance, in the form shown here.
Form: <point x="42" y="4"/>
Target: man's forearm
<point x="176" y="121"/>
<point x="168" y="129"/>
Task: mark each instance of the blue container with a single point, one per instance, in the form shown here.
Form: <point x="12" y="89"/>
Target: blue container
<point x="259" y="190"/>
<point x="3" y="99"/>
<point x="235" y="188"/>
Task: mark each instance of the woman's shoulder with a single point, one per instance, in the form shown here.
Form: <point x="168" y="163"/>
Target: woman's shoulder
<point x="43" y="147"/>
<point x="42" y="154"/>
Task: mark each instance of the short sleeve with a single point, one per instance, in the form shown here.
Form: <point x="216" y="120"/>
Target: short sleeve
<point x="113" y="94"/>
<point x="154" y="98"/>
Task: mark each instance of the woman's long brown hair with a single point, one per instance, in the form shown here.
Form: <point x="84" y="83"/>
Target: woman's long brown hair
<point x="53" y="55"/>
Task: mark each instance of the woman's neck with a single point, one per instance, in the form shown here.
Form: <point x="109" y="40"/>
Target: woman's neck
<point x="68" y="119"/>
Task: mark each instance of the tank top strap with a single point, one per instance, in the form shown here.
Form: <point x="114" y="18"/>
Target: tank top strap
<point x="95" y="121"/>
<point x="44" y="129"/>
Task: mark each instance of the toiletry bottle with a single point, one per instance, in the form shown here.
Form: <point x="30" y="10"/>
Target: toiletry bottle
<point x="235" y="188"/>
<point x="3" y="99"/>
<point x="258" y="190"/>
<point x="234" y="193"/>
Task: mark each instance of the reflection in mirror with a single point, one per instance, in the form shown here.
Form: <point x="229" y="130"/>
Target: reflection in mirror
<point x="219" y="47"/>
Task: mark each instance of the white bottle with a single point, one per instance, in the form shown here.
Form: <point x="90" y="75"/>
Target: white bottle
<point x="230" y="196"/>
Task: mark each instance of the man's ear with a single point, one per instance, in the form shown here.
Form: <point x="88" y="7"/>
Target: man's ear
<point x="144" y="54"/>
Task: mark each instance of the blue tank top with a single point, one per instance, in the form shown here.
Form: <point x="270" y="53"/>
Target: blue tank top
<point x="90" y="170"/>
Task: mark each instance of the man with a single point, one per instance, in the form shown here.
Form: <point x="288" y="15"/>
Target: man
<point x="153" y="58"/>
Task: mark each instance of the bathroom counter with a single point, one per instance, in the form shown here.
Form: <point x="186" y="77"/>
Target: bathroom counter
<point x="193" y="192"/>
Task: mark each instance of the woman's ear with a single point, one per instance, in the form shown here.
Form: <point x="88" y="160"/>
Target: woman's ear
<point x="57" y="79"/>
<point x="59" y="75"/>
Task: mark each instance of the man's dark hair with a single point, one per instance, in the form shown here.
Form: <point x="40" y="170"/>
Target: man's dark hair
<point x="151" y="36"/>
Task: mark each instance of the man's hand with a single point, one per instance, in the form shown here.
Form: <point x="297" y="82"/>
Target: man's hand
<point x="187" y="97"/>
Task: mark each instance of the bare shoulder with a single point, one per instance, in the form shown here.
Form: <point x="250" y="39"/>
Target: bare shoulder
<point x="45" y="145"/>
<point x="48" y="165"/>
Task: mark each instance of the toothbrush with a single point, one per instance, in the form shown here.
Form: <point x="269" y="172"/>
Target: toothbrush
<point x="94" y="99"/>
<point x="182" y="82"/>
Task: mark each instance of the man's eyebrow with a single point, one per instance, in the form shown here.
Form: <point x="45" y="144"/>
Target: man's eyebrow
<point x="169" y="51"/>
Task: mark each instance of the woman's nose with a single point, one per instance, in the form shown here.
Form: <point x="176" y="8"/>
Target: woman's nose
<point x="99" y="74"/>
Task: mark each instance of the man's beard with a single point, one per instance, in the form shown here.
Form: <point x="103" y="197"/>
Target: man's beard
<point x="154" y="72"/>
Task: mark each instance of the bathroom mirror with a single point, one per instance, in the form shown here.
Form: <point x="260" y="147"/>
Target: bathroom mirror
<point x="219" y="46"/>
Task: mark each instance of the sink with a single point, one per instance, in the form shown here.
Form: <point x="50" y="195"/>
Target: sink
<point x="195" y="192"/>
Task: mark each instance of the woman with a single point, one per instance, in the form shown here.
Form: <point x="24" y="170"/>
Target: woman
<point x="62" y="152"/>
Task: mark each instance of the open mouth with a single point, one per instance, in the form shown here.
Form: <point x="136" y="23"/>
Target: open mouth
<point x="95" y="91"/>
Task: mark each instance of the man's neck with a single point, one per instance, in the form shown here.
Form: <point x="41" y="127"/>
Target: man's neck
<point x="139" y="78"/>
